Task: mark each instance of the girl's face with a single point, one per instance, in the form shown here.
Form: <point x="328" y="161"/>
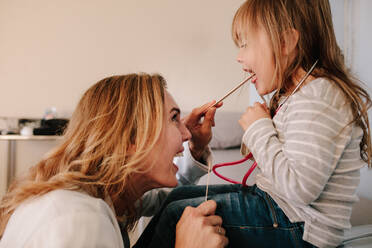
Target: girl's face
<point x="256" y="56"/>
<point x="163" y="172"/>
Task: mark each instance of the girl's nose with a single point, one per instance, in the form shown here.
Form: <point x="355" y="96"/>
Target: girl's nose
<point x="239" y="58"/>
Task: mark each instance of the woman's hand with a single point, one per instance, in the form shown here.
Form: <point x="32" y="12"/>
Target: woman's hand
<point x="254" y="113"/>
<point x="201" y="131"/>
<point x="200" y="228"/>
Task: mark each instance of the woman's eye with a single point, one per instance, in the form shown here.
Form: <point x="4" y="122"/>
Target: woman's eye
<point x="175" y="117"/>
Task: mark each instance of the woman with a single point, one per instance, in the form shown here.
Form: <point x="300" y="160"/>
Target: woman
<point x="120" y="143"/>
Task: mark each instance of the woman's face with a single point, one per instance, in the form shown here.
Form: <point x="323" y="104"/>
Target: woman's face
<point x="163" y="172"/>
<point x="256" y="56"/>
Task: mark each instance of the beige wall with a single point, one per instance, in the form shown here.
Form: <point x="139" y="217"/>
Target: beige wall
<point x="51" y="51"/>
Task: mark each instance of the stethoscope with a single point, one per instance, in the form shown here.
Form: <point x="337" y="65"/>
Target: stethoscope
<point x="250" y="155"/>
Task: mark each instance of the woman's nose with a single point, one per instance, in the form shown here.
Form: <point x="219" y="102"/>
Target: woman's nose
<point x="186" y="135"/>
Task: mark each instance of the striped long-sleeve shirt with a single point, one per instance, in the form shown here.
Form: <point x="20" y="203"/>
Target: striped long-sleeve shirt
<point x="309" y="160"/>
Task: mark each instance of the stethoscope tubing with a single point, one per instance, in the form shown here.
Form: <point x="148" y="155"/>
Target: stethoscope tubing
<point x="253" y="166"/>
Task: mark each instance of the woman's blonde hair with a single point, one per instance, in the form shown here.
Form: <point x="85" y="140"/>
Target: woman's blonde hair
<point x="313" y="21"/>
<point x="112" y="116"/>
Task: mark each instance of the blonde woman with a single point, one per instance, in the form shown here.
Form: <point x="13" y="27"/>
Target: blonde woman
<point x="120" y="143"/>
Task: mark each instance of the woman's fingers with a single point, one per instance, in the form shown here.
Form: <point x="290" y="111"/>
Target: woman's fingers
<point x="207" y="208"/>
<point x="197" y="113"/>
<point x="200" y="228"/>
<point x="220" y="230"/>
<point x="214" y="220"/>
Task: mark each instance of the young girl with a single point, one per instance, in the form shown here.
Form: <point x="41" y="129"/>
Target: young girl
<point x="309" y="145"/>
<point x="120" y="143"/>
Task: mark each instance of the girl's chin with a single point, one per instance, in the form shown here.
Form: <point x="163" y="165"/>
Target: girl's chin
<point x="259" y="91"/>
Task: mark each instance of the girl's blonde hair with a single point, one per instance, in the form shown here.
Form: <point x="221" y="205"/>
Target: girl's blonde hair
<point x="313" y="21"/>
<point x="112" y="116"/>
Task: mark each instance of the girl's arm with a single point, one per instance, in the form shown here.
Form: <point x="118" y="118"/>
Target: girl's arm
<point x="300" y="153"/>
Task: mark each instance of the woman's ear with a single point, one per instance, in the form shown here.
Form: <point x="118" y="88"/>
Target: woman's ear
<point x="290" y="40"/>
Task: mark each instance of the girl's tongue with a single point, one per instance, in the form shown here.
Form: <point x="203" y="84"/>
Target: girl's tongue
<point x="254" y="79"/>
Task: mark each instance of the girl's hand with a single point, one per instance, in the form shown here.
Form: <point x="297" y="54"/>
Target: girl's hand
<point x="200" y="228"/>
<point x="254" y="113"/>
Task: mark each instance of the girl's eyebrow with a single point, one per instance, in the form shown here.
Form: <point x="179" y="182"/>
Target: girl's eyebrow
<point x="175" y="109"/>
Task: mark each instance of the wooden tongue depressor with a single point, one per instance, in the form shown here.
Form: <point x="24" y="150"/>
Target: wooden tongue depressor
<point x="234" y="89"/>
